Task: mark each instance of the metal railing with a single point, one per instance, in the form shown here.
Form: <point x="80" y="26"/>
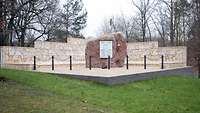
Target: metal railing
<point x="109" y="65"/>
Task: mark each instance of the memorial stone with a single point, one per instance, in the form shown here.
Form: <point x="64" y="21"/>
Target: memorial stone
<point x="108" y="45"/>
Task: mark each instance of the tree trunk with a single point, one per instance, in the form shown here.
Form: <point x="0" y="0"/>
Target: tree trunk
<point x="149" y="31"/>
<point x="22" y="38"/>
<point x="1" y="23"/>
<point x="143" y="29"/>
<point x="172" y="24"/>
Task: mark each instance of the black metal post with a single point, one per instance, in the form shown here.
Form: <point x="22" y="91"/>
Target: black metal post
<point x="127" y="62"/>
<point x="90" y="63"/>
<point x="34" y="63"/>
<point x="199" y="67"/>
<point x="162" y="62"/>
<point x="70" y="58"/>
<point x="145" y="62"/>
<point x="108" y="62"/>
<point x="52" y="63"/>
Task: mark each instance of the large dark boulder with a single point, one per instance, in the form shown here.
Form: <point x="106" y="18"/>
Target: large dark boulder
<point x="119" y="51"/>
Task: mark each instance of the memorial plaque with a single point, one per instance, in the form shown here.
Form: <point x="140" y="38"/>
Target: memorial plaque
<point x="106" y="49"/>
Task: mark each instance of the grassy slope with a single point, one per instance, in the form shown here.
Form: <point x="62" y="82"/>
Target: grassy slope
<point x="161" y="95"/>
<point x="17" y="98"/>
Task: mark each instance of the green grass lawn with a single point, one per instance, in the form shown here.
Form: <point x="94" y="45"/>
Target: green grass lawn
<point x="29" y="92"/>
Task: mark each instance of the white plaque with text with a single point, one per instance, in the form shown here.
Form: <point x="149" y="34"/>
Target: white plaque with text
<point x="105" y="49"/>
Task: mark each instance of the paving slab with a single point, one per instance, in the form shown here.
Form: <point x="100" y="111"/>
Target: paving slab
<point x="119" y="75"/>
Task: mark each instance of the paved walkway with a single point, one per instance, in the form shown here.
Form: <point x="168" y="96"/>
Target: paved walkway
<point x="116" y="75"/>
<point x="81" y="70"/>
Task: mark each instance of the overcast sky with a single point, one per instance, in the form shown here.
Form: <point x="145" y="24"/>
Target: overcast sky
<point x="100" y="9"/>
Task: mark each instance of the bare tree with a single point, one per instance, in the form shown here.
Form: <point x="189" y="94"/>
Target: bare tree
<point x="24" y="15"/>
<point x="46" y="23"/>
<point x="35" y="16"/>
<point x="127" y="25"/>
<point x="161" y="23"/>
<point x="146" y="8"/>
<point x="105" y="27"/>
<point x="178" y="14"/>
<point x="28" y="16"/>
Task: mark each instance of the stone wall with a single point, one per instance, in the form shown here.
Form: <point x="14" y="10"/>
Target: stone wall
<point x="173" y="56"/>
<point x="12" y="56"/>
<point x="136" y="52"/>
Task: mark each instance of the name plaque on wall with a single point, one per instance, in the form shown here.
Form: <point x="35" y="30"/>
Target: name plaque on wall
<point x="105" y="49"/>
